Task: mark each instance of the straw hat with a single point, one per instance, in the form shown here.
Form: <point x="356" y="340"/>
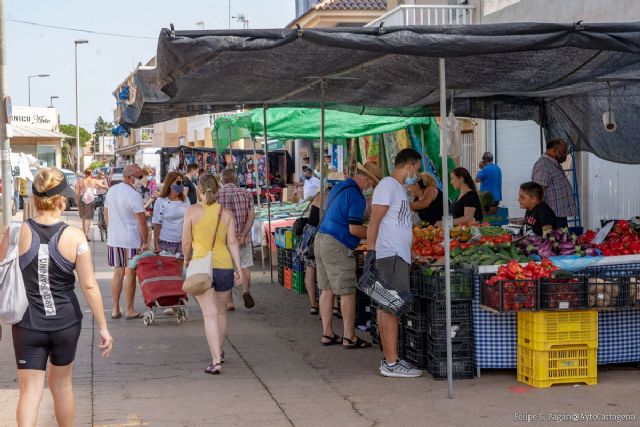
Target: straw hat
<point x="335" y="176"/>
<point x="372" y="170"/>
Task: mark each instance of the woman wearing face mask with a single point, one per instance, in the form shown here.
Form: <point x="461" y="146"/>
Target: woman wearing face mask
<point x="168" y="215"/>
<point x="467" y="207"/>
<point x="427" y="203"/>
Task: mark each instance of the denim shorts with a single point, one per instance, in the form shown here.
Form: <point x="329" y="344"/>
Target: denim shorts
<point x="222" y="279"/>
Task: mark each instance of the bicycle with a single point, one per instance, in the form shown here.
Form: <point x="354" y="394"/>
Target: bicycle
<point x="102" y="225"/>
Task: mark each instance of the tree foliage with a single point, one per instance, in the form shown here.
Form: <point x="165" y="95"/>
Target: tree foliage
<point x="70" y="130"/>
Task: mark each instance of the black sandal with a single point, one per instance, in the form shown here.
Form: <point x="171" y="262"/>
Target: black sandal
<point x="358" y="343"/>
<point x="332" y="340"/>
<point x="314" y="311"/>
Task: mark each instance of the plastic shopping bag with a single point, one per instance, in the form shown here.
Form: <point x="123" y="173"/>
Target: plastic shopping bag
<point x="13" y="296"/>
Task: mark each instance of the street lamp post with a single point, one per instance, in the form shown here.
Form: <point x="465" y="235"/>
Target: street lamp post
<point x="76" y="43"/>
<point x="201" y="24"/>
<point x="29" y="80"/>
<point x="51" y="98"/>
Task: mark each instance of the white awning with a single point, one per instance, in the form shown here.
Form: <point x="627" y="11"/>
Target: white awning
<point x="30" y="132"/>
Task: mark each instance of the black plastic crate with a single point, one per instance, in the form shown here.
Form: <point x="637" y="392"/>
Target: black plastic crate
<point x="415" y="281"/>
<point x="416" y="322"/>
<point x="461" y="348"/>
<point x="420" y="305"/>
<point x="459" y="329"/>
<point x="607" y="292"/>
<point x="563" y="294"/>
<point x="634" y="291"/>
<point x="416" y="340"/>
<point x="462" y="368"/>
<point x="418" y="359"/>
<point x="460" y="311"/>
<point x="509" y="295"/>
<point x="433" y="284"/>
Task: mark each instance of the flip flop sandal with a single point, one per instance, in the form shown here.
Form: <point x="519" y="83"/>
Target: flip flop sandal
<point x="136" y="316"/>
<point x="333" y="340"/>
<point x="116" y="316"/>
<point x="314" y="311"/>
<point x="358" y="343"/>
<point x="214" y="369"/>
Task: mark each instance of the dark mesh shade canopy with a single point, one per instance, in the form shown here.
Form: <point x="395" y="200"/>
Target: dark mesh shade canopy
<point x="557" y="75"/>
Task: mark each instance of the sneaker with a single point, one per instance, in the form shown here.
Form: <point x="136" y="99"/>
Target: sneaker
<point x="400" y="370"/>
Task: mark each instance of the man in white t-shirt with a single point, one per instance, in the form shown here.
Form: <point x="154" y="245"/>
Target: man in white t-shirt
<point x="126" y="236"/>
<point x="311" y="184"/>
<point x="389" y="247"/>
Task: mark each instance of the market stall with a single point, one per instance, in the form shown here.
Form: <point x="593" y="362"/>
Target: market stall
<point x="564" y="76"/>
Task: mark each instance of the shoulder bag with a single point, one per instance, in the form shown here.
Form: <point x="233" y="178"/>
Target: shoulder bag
<point x="305" y="250"/>
<point x="301" y="221"/>
<point x="13" y="295"/>
<point x="198" y="276"/>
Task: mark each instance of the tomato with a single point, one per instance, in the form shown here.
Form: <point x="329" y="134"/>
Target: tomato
<point x="439" y="251"/>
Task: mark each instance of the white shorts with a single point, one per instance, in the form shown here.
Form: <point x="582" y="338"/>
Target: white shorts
<point x="246" y="255"/>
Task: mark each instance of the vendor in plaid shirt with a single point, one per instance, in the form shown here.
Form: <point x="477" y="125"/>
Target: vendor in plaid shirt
<point x="558" y="191"/>
<point x="240" y="202"/>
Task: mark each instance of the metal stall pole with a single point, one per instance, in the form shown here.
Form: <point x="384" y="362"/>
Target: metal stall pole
<point x="323" y="87"/>
<point x="266" y="166"/>
<point x="217" y="147"/>
<point x="230" y="152"/>
<point x="444" y="148"/>
<point x="424" y="152"/>
<point x="256" y="179"/>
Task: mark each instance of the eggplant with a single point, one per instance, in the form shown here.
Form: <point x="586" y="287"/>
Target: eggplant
<point x="566" y="246"/>
<point x="531" y="250"/>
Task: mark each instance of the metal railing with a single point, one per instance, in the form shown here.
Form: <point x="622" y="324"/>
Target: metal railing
<point x="426" y="15"/>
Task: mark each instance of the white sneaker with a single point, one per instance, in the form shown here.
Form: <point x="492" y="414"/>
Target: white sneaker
<point x="401" y="369"/>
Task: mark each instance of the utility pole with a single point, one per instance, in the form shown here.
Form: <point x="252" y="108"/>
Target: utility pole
<point x="76" y="43"/>
<point x="7" y="187"/>
<point x="229" y="14"/>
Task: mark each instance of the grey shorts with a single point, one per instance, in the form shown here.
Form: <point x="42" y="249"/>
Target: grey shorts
<point x="246" y="255"/>
<point x="395" y="271"/>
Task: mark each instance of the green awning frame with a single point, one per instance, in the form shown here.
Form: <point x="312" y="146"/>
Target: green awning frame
<point x="286" y="123"/>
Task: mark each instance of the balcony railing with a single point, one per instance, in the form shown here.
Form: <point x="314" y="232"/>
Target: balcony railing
<point x="426" y="15"/>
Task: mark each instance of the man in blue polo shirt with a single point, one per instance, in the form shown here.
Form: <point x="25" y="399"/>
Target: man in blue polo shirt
<point x="490" y="178"/>
<point x="339" y="234"/>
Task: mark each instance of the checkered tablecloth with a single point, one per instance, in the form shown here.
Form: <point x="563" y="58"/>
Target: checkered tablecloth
<point x="496" y="336"/>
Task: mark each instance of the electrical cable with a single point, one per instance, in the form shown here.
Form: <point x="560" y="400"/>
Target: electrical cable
<point x="80" y="30"/>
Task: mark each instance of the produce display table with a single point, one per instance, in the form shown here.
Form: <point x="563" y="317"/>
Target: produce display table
<point x="496" y="334"/>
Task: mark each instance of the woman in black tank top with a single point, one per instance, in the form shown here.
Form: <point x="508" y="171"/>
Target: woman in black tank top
<point x="50" y="253"/>
<point x="428" y="199"/>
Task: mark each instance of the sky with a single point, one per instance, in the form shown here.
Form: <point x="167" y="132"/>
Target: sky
<point x="105" y="61"/>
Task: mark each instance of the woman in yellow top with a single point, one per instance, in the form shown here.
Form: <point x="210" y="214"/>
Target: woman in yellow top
<point x="200" y="223"/>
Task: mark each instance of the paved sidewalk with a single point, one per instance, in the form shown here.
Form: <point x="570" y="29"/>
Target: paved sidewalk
<point x="277" y="374"/>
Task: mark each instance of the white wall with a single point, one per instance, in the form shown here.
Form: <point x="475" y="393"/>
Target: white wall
<point x="559" y="11"/>
<point x="517" y="147"/>
<point x="607" y="190"/>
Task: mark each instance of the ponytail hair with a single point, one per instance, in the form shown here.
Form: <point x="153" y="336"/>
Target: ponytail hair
<point x="208" y="186"/>
<point x="466" y="177"/>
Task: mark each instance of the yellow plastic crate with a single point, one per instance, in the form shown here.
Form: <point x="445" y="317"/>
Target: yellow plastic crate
<point x="540" y="330"/>
<point x="563" y="364"/>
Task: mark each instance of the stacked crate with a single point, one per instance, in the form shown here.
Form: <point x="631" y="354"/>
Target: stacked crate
<point x="557" y="347"/>
<point x="425" y="332"/>
<point x="297" y="284"/>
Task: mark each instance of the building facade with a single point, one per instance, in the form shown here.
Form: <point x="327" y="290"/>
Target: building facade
<point x="36" y="131"/>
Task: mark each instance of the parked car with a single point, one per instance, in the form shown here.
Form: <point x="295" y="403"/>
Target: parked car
<point x="70" y="192"/>
<point x="104" y="169"/>
<point x="115" y="176"/>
